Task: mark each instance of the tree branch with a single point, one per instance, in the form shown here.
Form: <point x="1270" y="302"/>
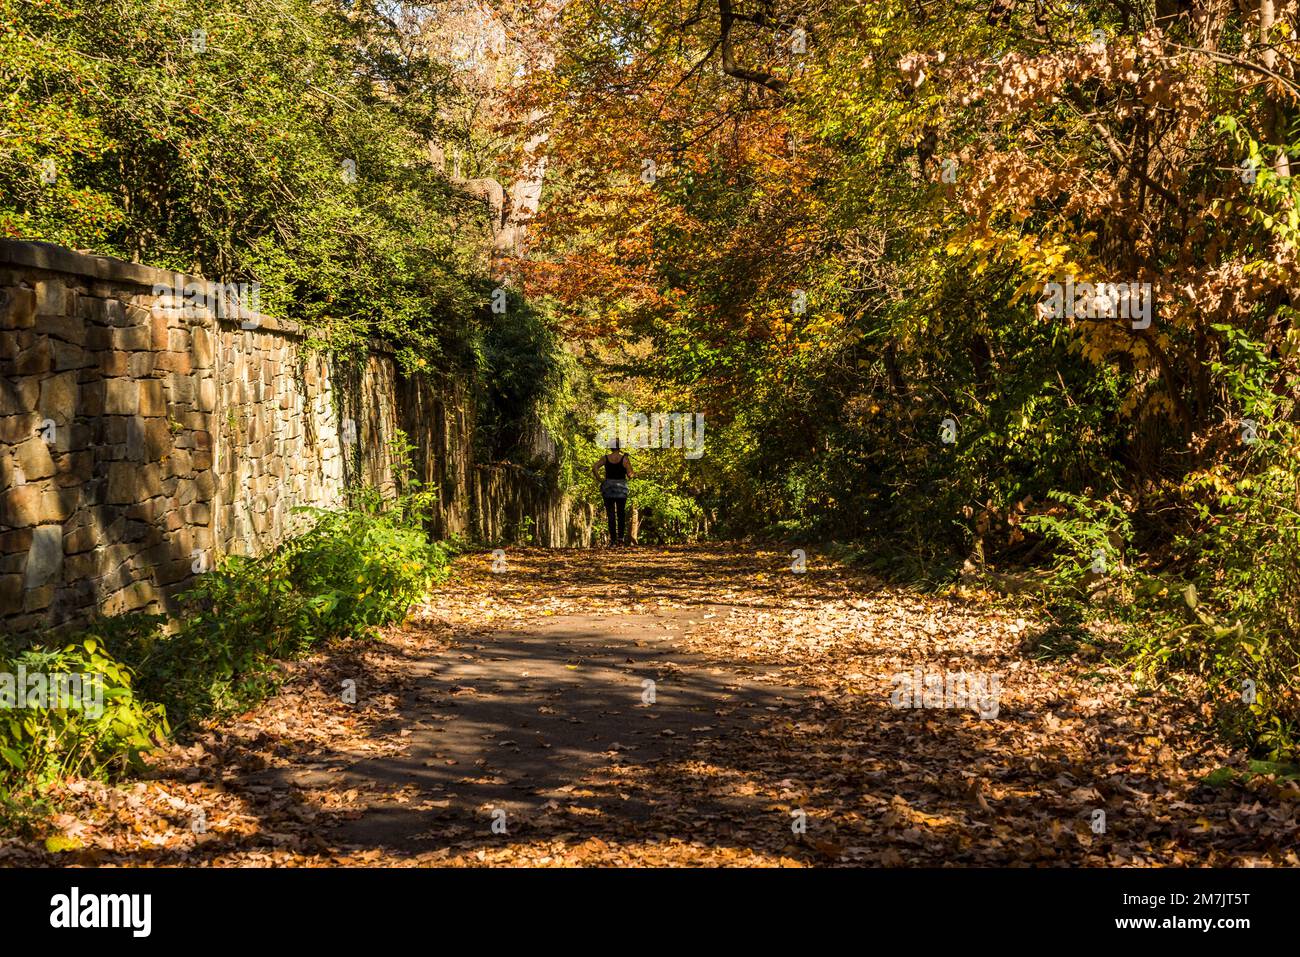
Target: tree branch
<point x="727" y="18"/>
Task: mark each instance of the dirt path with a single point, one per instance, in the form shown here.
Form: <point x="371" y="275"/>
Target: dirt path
<point x="512" y="723"/>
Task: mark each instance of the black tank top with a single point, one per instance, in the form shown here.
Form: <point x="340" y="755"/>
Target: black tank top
<point x="615" y="470"/>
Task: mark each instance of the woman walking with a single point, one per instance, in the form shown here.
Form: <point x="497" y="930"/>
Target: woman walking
<point x="613" y="489"/>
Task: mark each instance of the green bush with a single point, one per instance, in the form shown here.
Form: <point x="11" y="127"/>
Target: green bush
<point x="43" y="741"/>
<point x="361" y="568"/>
<point x="1234" y="617"/>
<point x="244" y="615"/>
<point x="1226" y="609"/>
<point x="354" y="570"/>
<point x="672" y="516"/>
<point x="1090" y="539"/>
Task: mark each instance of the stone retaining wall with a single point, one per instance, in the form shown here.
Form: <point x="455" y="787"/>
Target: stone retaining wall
<point x="142" y="439"/>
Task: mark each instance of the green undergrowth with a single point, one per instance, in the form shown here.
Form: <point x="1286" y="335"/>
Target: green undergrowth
<point x="147" y="679"/>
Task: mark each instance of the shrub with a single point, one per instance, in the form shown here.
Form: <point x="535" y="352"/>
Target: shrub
<point x="1227" y="609"/>
<point x="1090" y="539"/>
<point x="222" y="656"/>
<point x="43" y="741"/>
<point x="361" y="568"/>
<point x="675" y="517"/>
<point x="354" y="570"/>
<point x="1240" y="600"/>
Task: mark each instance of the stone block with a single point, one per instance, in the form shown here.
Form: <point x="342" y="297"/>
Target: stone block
<point x="182" y="389"/>
<point x="34" y="459"/>
<point x="131" y="338"/>
<point x="140" y="365"/>
<point x="144" y="511"/>
<point x="38" y="599"/>
<point x="179" y="463"/>
<point x="100" y="310"/>
<point x="114" y="363"/>
<point x="153" y="401"/>
<point x="158" y="333"/>
<point x="157" y="440"/>
<point x="58" y="398"/>
<point x="138" y="312"/>
<point x="67" y="328"/>
<point x="207" y="396"/>
<point x="18" y="428"/>
<point x="92" y="398"/>
<point x="121" y="396"/>
<point x="36" y="359"/>
<point x="82" y="436"/>
<point x="139" y="595"/>
<point x="82" y="540"/>
<point x="169" y="573"/>
<point x="69" y="356"/>
<point x="17" y="308"/>
<point x="11" y="594"/>
<point x="11" y="475"/>
<point x="99" y="338"/>
<point x="114" y="579"/>
<point x="80" y="466"/>
<point x="104" y="564"/>
<point x="21" y="624"/>
<point x="84" y="565"/>
<point x="129" y="483"/>
<point x="116" y="431"/>
<point x="53" y="298"/>
<point x="23" y="505"/>
<point x="205" y="484"/>
<point x="45" y="559"/>
<point x="201" y="348"/>
<point x="19" y="540"/>
<point x="177" y="362"/>
<point x="19" y="395"/>
<point x="133" y="597"/>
